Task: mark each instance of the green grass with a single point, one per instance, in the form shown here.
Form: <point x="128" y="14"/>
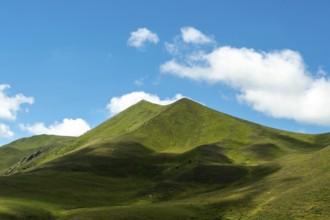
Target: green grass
<point x="23" y="209"/>
<point x="300" y="190"/>
<point x="14" y="152"/>
<point x="181" y="161"/>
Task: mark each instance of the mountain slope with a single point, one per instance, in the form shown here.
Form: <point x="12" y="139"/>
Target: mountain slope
<point x="14" y="152"/>
<point x="180" y="161"/>
<point x="185" y="125"/>
<point x="300" y="190"/>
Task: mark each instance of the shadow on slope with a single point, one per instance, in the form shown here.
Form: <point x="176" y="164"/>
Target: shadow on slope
<point x="266" y="151"/>
<point x="124" y="173"/>
<point x="171" y="175"/>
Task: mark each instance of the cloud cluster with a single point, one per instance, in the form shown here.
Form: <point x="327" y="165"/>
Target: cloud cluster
<point x="276" y="83"/>
<point x="118" y="104"/>
<point x="68" y="127"/>
<point x="142" y="36"/>
<point x="194" y="36"/>
<point x="10" y="105"/>
<point x="5" y="131"/>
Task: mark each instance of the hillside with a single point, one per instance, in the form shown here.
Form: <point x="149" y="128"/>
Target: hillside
<point x="14" y="152"/>
<point x="180" y="161"/>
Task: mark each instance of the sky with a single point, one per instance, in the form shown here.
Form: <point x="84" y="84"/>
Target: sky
<point x="68" y="65"/>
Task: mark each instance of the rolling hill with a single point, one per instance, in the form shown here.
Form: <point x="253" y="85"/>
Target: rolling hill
<point x="180" y="161"/>
<point x="16" y="151"/>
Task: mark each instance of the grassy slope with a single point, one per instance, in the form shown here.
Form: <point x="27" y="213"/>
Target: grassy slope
<point x="300" y="190"/>
<point x="14" y="152"/>
<point x="181" y="161"/>
<point x="118" y="125"/>
<point x="125" y="122"/>
<point x="185" y="125"/>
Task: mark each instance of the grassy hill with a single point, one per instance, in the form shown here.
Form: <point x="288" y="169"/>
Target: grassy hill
<point x="14" y="152"/>
<point x="180" y="161"/>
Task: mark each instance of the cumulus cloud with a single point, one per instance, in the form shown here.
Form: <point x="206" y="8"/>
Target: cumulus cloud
<point x="192" y="35"/>
<point x="142" y="36"/>
<point x="10" y="105"/>
<point x="276" y="83"/>
<point x="5" y="131"/>
<point x="68" y="127"/>
<point x="118" y="104"/>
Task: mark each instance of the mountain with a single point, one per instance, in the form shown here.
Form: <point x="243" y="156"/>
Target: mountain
<point x="180" y="161"/>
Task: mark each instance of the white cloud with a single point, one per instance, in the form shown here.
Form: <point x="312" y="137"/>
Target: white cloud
<point x="68" y="127"/>
<point x="10" y="105"/>
<point x="140" y="37"/>
<point x="118" y="104"/>
<point x="276" y="83"/>
<point x="194" y="36"/>
<point x="5" y="131"/>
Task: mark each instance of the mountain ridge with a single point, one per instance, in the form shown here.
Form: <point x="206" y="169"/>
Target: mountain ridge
<point x="180" y="161"/>
<point x="182" y="126"/>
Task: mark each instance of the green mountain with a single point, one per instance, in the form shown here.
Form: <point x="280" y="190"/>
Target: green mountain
<point x="180" y="161"/>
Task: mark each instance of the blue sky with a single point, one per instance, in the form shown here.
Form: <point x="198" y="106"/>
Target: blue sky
<point x="66" y="66"/>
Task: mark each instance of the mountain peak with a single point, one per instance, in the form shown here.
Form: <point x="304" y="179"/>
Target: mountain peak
<point x="182" y="100"/>
<point x="186" y="101"/>
<point x="143" y="102"/>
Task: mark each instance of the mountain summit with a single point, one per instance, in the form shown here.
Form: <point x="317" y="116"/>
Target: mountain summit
<point x="183" y="160"/>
